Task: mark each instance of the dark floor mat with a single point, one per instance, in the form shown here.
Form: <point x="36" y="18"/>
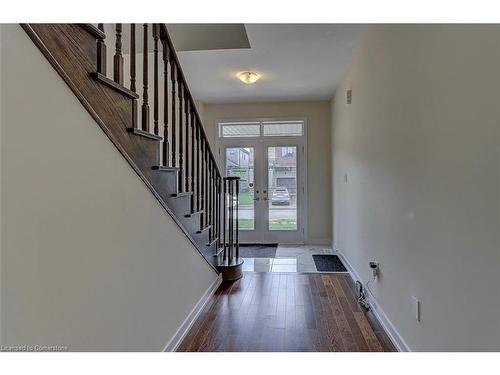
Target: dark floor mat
<point x="328" y="263"/>
<point x="258" y="250"/>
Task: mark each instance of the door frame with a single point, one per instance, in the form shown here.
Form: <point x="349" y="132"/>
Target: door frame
<point x="300" y="142"/>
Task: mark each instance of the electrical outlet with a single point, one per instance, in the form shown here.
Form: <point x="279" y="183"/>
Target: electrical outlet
<point x="348" y="96"/>
<point x="415" y="308"/>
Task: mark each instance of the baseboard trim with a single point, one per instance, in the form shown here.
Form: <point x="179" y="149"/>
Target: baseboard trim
<point x="318" y="241"/>
<point x="191" y="318"/>
<point x="377" y="310"/>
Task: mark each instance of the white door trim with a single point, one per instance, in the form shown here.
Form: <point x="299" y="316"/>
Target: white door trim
<point x="300" y="142"/>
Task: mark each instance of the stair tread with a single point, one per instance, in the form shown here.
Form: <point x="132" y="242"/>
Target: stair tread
<point x="114" y="85"/>
<point x="145" y="134"/>
<point x="182" y="194"/>
<point x="219" y="251"/>
<point x="194" y="213"/>
<point x="204" y="229"/>
<point x="212" y="242"/>
<point x="93" y="30"/>
<point x="163" y="168"/>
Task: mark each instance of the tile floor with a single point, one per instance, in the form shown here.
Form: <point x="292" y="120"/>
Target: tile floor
<point x="289" y="258"/>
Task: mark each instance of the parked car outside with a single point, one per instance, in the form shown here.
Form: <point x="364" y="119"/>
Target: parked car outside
<point x="280" y="196"/>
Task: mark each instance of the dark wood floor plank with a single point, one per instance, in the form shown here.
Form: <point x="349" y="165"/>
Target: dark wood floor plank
<point x="339" y="315"/>
<point x="368" y="334"/>
<point x="286" y="312"/>
<point x="332" y="330"/>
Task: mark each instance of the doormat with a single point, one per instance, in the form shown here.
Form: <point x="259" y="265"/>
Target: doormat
<point x="328" y="263"/>
<point x="267" y="250"/>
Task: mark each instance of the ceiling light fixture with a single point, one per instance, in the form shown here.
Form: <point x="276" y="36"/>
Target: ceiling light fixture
<point x="248" y="77"/>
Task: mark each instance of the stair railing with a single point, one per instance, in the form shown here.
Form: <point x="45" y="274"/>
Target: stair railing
<point x="184" y="144"/>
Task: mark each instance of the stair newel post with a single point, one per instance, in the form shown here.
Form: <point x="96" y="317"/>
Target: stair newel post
<point x="231" y="221"/>
<point x="218" y="210"/>
<point x="181" y="133"/>
<point x="210" y="200"/>
<point x="224" y="218"/>
<point x="132" y="58"/>
<point x="205" y="189"/>
<point x="231" y="264"/>
<point x="173" y="123"/>
<point x="101" y="52"/>
<point x="165" y="149"/>
<point x="118" y="58"/>
<point x="145" y="103"/>
<point x="193" y="153"/>
<point x="155" y="78"/>
<point x="214" y="203"/>
<point x="210" y="207"/>
<point x="187" y="108"/>
<point x="237" y="244"/>
<point x="198" y="149"/>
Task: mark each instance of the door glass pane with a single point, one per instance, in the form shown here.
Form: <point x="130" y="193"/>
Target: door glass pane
<point x="282" y="187"/>
<point x="240" y="163"/>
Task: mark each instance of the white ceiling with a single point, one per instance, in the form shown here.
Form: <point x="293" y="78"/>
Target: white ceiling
<point x="295" y="61"/>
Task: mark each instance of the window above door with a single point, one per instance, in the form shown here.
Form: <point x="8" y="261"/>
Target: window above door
<point x="256" y="129"/>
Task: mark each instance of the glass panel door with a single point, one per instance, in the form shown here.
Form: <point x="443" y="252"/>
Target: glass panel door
<point x="272" y="175"/>
<point x="282" y="188"/>
<point x="240" y="162"/>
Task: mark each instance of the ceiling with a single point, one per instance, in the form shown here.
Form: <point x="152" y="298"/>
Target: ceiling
<point x="295" y="61"/>
<point x="187" y="36"/>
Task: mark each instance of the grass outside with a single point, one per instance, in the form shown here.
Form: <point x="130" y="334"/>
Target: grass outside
<point x="246" y="224"/>
<point x="283" y="224"/>
<point x="245" y="198"/>
<point x="275" y="224"/>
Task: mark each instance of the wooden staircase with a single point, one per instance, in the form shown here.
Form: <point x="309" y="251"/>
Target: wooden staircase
<point x="167" y="147"/>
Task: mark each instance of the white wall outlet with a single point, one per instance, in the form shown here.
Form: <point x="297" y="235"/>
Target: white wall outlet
<point x="415" y="308"/>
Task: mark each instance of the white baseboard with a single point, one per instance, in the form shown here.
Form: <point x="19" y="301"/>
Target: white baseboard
<point x="318" y="241"/>
<point x="380" y="314"/>
<point x="191" y="318"/>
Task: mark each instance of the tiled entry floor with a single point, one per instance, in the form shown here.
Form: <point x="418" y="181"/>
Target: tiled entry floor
<point x="289" y="258"/>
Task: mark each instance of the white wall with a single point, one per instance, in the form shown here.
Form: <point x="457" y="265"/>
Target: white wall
<point x="318" y="149"/>
<point x="420" y="147"/>
<point x="89" y="258"/>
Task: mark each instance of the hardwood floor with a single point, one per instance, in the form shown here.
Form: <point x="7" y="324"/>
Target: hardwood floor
<point x="286" y="312"/>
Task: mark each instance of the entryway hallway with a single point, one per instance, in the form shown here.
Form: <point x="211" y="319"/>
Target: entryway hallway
<point x="274" y="312"/>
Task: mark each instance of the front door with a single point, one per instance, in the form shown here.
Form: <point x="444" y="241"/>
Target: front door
<point x="271" y="196"/>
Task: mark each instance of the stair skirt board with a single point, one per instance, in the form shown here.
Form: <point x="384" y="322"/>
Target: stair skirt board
<point x="192" y="316"/>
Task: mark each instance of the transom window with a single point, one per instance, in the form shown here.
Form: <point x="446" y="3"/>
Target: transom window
<point x="254" y="129"/>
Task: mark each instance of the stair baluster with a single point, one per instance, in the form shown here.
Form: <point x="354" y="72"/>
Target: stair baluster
<point x="118" y="58"/>
<point x="173" y="123"/>
<point x="145" y="103"/>
<point x="155" y="79"/>
<point x="165" y="148"/>
<point x="193" y="157"/>
<point x="187" y="108"/>
<point x="132" y="57"/>
<point x="101" y="52"/>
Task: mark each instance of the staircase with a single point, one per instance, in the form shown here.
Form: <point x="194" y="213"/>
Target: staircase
<point x="155" y="127"/>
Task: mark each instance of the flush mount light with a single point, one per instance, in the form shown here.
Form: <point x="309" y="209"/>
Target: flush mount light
<point x="248" y="77"/>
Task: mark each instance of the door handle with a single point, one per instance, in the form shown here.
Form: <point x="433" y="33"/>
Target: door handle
<point x="256" y="199"/>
